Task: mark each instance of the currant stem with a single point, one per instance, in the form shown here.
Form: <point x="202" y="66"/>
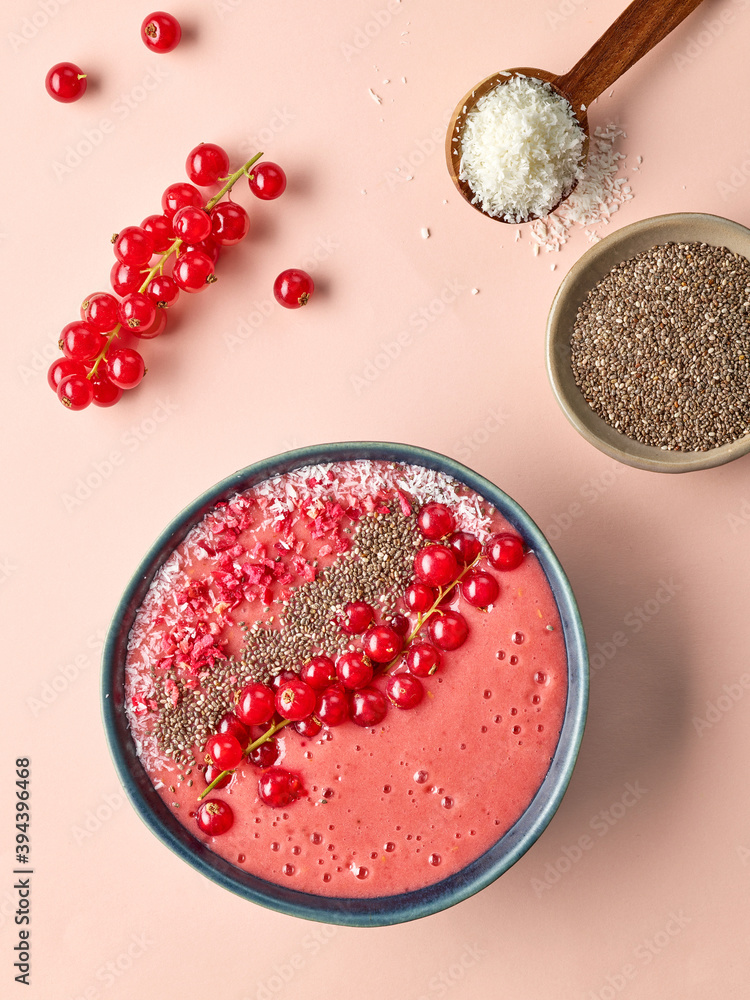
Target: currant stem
<point x="271" y="731"/>
<point x="158" y="267"/>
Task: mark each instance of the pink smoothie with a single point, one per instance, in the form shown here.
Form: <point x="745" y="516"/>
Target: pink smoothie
<point x="387" y="809"/>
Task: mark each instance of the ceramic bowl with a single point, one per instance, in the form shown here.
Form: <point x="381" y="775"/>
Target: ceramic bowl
<point x="684" y="227"/>
<point x="358" y="912"/>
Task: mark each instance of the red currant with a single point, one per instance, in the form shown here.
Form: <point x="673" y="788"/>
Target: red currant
<point x="229" y="223"/>
<point x="137" y="311"/>
<point x="100" y="311"/>
<point x="382" y="643"/>
<point x="403" y="690"/>
<point x="399" y="624"/>
<point x="293" y="288"/>
<point x="449" y="630"/>
<point x="229" y="723"/>
<point x="318" y="672"/>
<point x="125" y="367"/>
<point x="419" y="597"/>
<point x="206" y="164"/>
<point x="212" y="771"/>
<point x="194" y="271"/>
<point x="435" y="521"/>
<point x="191" y="224"/>
<point x="208" y="247"/>
<point x="125" y="278"/>
<point x="479" y="589"/>
<point x="465" y="546"/>
<point x="214" y="817"/>
<point x="75" y="391"/>
<point x="333" y="708"/>
<point x="179" y="195"/>
<point x="163" y="291"/>
<point x="308" y="727"/>
<point x="279" y="787"/>
<point x="423" y="659"/>
<point x="354" y="670"/>
<point x="368" y="706"/>
<point x="133" y="245"/>
<point x="267" y="180"/>
<point x="80" y="342"/>
<point x="66" y="82"/>
<point x="161" y="32"/>
<point x="358" y="615"/>
<point x="265" y="754"/>
<point x="160" y="230"/>
<point x="255" y="705"/>
<point x="295" y="700"/>
<point x="436" y="565"/>
<point x="61" y="367"/>
<point x="106" y="393"/>
<point x="158" y="326"/>
<point x="225" y="750"/>
<point x="504" y="551"/>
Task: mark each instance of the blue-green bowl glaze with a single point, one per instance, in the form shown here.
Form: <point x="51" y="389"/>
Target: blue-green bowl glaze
<point x="382" y="910"/>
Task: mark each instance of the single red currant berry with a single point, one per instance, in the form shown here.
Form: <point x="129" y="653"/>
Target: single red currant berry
<point x="436" y="565"/>
<point x="229" y="723"/>
<point x="133" y="245"/>
<point x="161" y="32"/>
<point x="318" y="672"/>
<point x="448" y="630"/>
<point x="354" y="670"/>
<point x="465" y="546"/>
<point x="106" y="393"/>
<point x="100" y="311"/>
<point x="214" y="817"/>
<point x="255" y="704"/>
<point x="177" y="196"/>
<point x="418" y="597"/>
<point x="225" y="750"/>
<point x="295" y="700"/>
<point x="267" y="180"/>
<point x="191" y="224"/>
<point x="282" y="677"/>
<point x="212" y="771"/>
<point x="194" y="271"/>
<point x="125" y="367"/>
<point x="80" y="342"/>
<point x="504" y="551"/>
<point x="332" y="708"/>
<point x="358" y="615"/>
<point x="368" y="706"/>
<point x="158" y="326"/>
<point x="403" y="690"/>
<point x="423" y="659"/>
<point x="66" y="82"/>
<point x="206" y="164"/>
<point x="293" y="288"/>
<point x="435" y="521"/>
<point x="75" y="392"/>
<point x="163" y="291"/>
<point x="125" y="278"/>
<point x="382" y="643"/>
<point x="160" y="230"/>
<point x="399" y="624"/>
<point x="309" y="726"/>
<point x="278" y="787"/>
<point x="61" y="367"/>
<point x="479" y="589"/>
<point x="229" y="223"/>
<point x="137" y="311"/>
<point x="265" y="754"/>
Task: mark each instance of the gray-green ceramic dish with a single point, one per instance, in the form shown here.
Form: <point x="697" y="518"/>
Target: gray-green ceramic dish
<point x="685" y="227"/>
<point x="354" y="912"/>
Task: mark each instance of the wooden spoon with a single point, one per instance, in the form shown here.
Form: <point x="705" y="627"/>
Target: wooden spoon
<point x="633" y="34"/>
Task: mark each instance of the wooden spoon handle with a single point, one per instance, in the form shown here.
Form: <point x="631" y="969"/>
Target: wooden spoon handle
<point x="634" y="33"/>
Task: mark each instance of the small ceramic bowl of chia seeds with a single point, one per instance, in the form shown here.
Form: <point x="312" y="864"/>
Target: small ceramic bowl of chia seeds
<point x="648" y="343"/>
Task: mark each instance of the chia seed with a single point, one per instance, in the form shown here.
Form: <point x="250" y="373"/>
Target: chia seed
<point x="661" y="347"/>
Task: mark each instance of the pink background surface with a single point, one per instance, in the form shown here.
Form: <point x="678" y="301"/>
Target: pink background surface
<point x="639" y="887"/>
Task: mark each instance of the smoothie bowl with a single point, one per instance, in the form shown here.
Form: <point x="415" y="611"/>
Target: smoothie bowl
<point x="348" y="683"/>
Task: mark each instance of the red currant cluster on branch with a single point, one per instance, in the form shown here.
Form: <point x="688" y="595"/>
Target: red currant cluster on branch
<point x="186" y="240"/>
<point x="324" y="692"/>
